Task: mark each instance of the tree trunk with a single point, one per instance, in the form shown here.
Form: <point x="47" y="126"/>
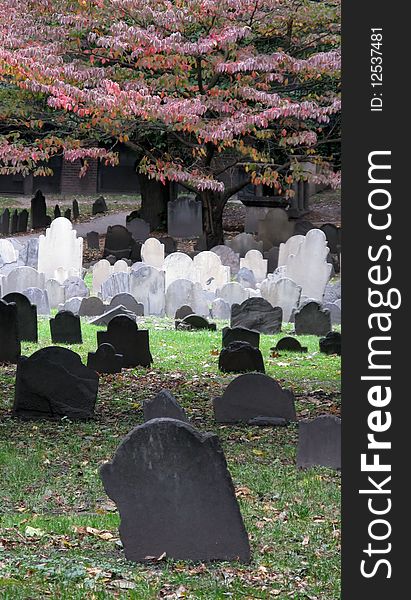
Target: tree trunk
<point x="213" y="207"/>
<point x="154" y="198"/>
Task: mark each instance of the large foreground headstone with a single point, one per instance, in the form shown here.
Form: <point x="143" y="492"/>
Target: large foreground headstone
<point x="319" y="442"/>
<point x="26" y="316"/>
<point x="175" y="495"/>
<point x="10" y="347"/>
<point x="122" y="333"/>
<point x="254" y="396"/>
<point x="162" y="406"/>
<point x="240" y="357"/>
<point x="53" y="383"/>
<point x="257" y="314"/>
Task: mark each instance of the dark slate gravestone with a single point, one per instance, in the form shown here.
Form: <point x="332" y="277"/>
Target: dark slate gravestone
<point x="13" y="222"/>
<point x="111" y="259"/>
<point x="163" y="405"/>
<point x="302" y="227"/>
<point x="53" y="383"/>
<point x="175" y="495"/>
<point x="38" y="211"/>
<point x="170" y="245"/>
<point x="257" y="314"/>
<point x="57" y="211"/>
<point x="195" y="322"/>
<point x="67" y="214"/>
<point x="139" y="229"/>
<point x="333" y="235"/>
<point x="99" y="206"/>
<point x="129" y="302"/>
<point x="289" y="344"/>
<point x="65" y="328"/>
<point x="10" y="347"/>
<point x="5" y="222"/>
<point x="48" y="220"/>
<point x="183" y="311"/>
<point x="105" y="360"/>
<point x="135" y="254"/>
<point x="185" y="218"/>
<point x="23" y="221"/>
<point x="106" y="317"/>
<point x="93" y="240"/>
<point x="122" y="333"/>
<point x="76" y="209"/>
<point x="240" y="357"/>
<point x="311" y="319"/>
<point x="91" y="307"/>
<point x="319" y="442"/>
<point x="240" y="334"/>
<point x="255" y="396"/>
<point x="272" y="257"/>
<point x="331" y="343"/>
<point x="26" y="316"/>
<point x="119" y="242"/>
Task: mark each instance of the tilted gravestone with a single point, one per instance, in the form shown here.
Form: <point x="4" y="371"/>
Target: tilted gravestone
<point x="26" y="316"/>
<point x="123" y="333"/>
<point x="119" y="242"/>
<point x="93" y="240"/>
<point x="183" y="311"/>
<point x="99" y="206"/>
<point x="240" y="357"/>
<point x="105" y="360"/>
<point x="311" y="319"/>
<point x="240" y="334"/>
<point x="185" y="218"/>
<point x="290" y="344"/>
<point x="255" y="398"/>
<point x="195" y="322"/>
<point x="319" y="442"/>
<point x="106" y="317"/>
<point x="65" y="328"/>
<point x="38" y="211"/>
<point x="163" y="406"/>
<point x="175" y="495"/>
<point x="53" y="383"/>
<point x="331" y="343"/>
<point x="257" y="314"/>
<point x="10" y="347"/>
<point x="129" y="302"/>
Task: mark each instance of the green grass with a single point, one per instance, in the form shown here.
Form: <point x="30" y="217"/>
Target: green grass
<point x="51" y="491"/>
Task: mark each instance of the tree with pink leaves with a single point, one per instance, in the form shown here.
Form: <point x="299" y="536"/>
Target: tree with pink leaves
<point x="200" y="89"/>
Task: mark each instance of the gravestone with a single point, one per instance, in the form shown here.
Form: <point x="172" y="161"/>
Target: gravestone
<point x="129" y="302"/>
<point x="311" y="319"/>
<point x="228" y="258"/>
<point x="195" y="322"/>
<point x="75" y="287"/>
<point x="76" y="209"/>
<point x="23" y="221"/>
<point x="254" y="261"/>
<point x="38" y="211"/>
<point x="26" y="317"/>
<point x="319" y="442"/>
<point x="57" y="211"/>
<point x="333" y="235"/>
<point x="331" y="343"/>
<point x="8" y="253"/>
<point x="275" y="228"/>
<point x="122" y="333"/>
<point x="117" y="283"/>
<point x="101" y="272"/>
<point x="289" y="344"/>
<point x="233" y="293"/>
<point x="240" y="334"/>
<point x="120" y="266"/>
<point x="302" y="227"/>
<point x="99" y="206"/>
<point x="246" y="278"/>
<point x="209" y="272"/>
<point x="178" y="266"/>
<point x="183" y="292"/>
<point x="5" y="222"/>
<point x="55" y="292"/>
<point x="107" y="316"/>
<point x="257" y="314"/>
<point x="240" y="357"/>
<point x="138" y="228"/>
<point x="105" y="360"/>
<point x="32" y="253"/>
<point x="72" y="305"/>
<point x="53" y="383"/>
<point x="332" y="292"/>
<point x="22" y="278"/>
<point x="183" y="311"/>
<point x="185" y="218"/>
<point x="242" y="243"/>
<point x="254" y="396"/>
<point x="39" y="298"/>
<point x="65" y="328"/>
<point x="163" y="406"/>
<point x="93" y="242"/>
<point x="152" y="253"/>
<point x="220" y="309"/>
<point x="147" y="285"/>
<point x="119" y="242"/>
<point x="335" y="312"/>
<point x="272" y="259"/>
<point x="60" y="248"/>
<point x="10" y="347"/>
<point x="13" y="222"/>
<point x="91" y="307"/>
<point x="284" y="293"/>
<point x="67" y="214"/>
<point x="197" y="503"/>
<point x="289" y="247"/>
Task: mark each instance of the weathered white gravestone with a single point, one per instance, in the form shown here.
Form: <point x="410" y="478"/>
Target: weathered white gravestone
<point x="243" y="242"/>
<point x="289" y="247"/>
<point x="309" y="267"/>
<point x="183" y="292"/>
<point x="101" y="272"/>
<point x="209" y="271"/>
<point x="39" y="298"/>
<point x="152" y="253"/>
<point x="275" y="228"/>
<point x="284" y="293"/>
<point x="120" y="266"/>
<point x="60" y="247"/>
<point x="228" y="258"/>
<point x="117" y="283"/>
<point x="55" y="292"/>
<point x="178" y="266"/>
<point x="233" y="293"/>
<point x="8" y="254"/>
<point x="147" y="285"/>
<point x="254" y="261"/>
<point x="22" y="278"/>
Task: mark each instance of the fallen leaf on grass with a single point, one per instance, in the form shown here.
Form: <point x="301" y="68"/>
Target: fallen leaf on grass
<point x="122" y="584"/>
<point x="33" y="532"/>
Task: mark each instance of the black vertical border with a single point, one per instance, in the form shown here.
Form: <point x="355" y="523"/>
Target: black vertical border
<point x="363" y="132"/>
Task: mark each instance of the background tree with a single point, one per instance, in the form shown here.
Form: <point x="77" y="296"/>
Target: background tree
<point x="197" y="88"/>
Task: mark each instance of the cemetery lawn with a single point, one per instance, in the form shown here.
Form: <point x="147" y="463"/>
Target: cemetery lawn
<point x="58" y="529"/>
